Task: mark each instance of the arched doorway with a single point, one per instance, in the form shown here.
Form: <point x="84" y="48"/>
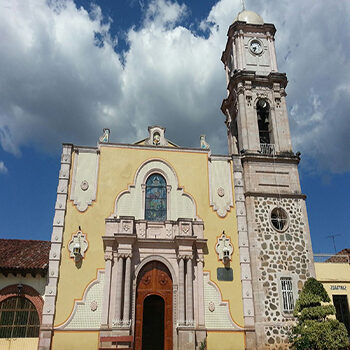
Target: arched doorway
<point x="154" y="308"/>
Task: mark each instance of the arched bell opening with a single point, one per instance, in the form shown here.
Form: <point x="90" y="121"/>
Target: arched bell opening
<point x="263" y="114"/>
<point x="267" y="145"/>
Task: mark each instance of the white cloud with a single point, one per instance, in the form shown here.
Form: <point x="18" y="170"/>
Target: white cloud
<point x="3" y="169"/>
<point x="62" y="82"/>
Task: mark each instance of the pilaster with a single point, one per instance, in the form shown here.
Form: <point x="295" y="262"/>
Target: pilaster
<point x="46" y="329"/>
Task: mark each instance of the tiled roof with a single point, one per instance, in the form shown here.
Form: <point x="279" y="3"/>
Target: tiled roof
<point x="24" y="255"/>
<point x="341" y="257"/>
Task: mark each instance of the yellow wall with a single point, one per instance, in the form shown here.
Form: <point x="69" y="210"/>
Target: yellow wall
<point x="225" y="341"/>
<point x="75" y="340"/>
<point x="333" y="275"/>
<point x="19" y="343"/>
<point x="116" y="171"/>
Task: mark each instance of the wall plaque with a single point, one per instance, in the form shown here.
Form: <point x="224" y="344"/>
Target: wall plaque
<point x="224" y="274"/>
<point x="334" y="287"/>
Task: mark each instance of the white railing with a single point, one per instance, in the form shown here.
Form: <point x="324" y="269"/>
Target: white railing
<point x="332" y="258"/>
<point x="267" y="149"/>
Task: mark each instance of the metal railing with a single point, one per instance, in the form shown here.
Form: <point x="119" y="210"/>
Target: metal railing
<point x="267" y="149"/>
<point x="332" y="258"/>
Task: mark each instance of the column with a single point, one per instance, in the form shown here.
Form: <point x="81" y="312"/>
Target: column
<point x="272" y="49"/>
<point x="201" y="320"/>
<point x="107" y="288"/>
<point x="181" y="290"/>
<point x="126" y="313"/>
<point x="118" y="303"/>
<point x="112" y="297"/>
<point x="189" y="291"/>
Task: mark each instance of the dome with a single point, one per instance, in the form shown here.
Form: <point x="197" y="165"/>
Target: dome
<point x="250" y="17"/>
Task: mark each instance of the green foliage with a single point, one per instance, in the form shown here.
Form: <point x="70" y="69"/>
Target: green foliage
<point x="203" y="345"/>
<point x="314" y="331"/>
<point x="306" y="300"/>
<point x="316" y="312"/>
<point x="315" y="287"/>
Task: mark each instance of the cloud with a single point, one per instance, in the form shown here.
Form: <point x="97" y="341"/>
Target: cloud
<point x="63" y="78"/>
<point x="3" y="169"/>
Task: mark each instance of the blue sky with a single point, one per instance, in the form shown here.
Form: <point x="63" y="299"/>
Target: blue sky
<point x="68" y="69"/>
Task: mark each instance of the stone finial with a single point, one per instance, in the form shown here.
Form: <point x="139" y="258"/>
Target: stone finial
<point x="204" y="144"/>
<point x="105" y="137"/>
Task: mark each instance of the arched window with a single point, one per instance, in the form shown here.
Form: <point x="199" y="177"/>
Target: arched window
<point x="156" y="200"/>
<point x="18" y="318"/>
<point x="263" y="112"/>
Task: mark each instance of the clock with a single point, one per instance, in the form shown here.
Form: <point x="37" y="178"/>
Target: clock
<point x="256" y="47"/>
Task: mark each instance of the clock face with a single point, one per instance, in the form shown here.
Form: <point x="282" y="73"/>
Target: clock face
<point x="256" y="47"/>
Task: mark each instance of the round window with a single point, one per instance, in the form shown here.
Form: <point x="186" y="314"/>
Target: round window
<point x="279" y="219"/>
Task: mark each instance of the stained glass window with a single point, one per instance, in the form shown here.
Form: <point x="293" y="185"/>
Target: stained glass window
<point x="156" y="199"/>
<point x="18" y="318"/>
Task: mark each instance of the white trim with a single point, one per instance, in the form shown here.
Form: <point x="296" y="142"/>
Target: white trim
<point x="175" y="194"/>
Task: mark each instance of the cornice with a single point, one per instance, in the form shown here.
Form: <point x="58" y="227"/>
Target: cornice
<point x="242" y="76"/>
<point x="244" y="27"/>
<point x="278" y="158"/>
<point x="275" y="195"/>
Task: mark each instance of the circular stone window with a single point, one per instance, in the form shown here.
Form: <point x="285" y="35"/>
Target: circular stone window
<point x="279" y="219"/>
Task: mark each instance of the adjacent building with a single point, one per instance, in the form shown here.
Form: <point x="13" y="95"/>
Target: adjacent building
<point x="23" y="277"/>
<point x="334" y="273"/>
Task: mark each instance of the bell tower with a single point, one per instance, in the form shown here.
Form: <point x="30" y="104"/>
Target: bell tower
<point x="255" y="109"/>
<point x="271" y="211"/>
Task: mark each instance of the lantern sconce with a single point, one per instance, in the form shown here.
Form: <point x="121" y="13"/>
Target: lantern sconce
<point x="226" y="255"/>
<point x="224" y="248"/>
<point x="78" y="246"/>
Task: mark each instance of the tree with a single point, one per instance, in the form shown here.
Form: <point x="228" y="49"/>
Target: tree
<point x="314" y="330"/>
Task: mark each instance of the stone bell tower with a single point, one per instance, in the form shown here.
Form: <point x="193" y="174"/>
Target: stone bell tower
<point x="271" y="210"/>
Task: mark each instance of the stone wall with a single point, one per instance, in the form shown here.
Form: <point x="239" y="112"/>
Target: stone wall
<point x="277" y="254"/>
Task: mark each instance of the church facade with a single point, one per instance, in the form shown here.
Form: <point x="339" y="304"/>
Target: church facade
<point x="157" y="246"/>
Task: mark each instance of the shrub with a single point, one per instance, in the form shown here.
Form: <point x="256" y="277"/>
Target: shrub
<point x="314" y="330"/>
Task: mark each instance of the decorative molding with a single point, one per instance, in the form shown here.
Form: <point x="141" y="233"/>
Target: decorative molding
<point x="211" y="306"/>
<point x="49" y="309"/>
<point x="156" y="136"/>
<point x="87" y="311"/>
<point x="121" y="323"/>
<point x="220" y="185"/>
<point x="84" y="178"/>
<point x="276" y="195"/>
<point x="243" y="244"/>
<point x="224" y="243"/>
<point x="79" y="242"/>
<point x="132" y="201"/>
<point x="84" y="185"/>
<point x="217" y="311"/>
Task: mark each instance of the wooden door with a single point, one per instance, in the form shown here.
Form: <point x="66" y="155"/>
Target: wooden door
<point x="154" y="279"/>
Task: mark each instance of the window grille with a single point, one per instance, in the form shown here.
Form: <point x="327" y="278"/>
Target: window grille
<point x="156" y="198"/>
<point x="279" y="219"/>
<point x="287" y="294"/>
<point x="18" y="318"/>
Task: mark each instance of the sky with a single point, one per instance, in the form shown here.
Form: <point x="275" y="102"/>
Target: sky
<point x="70" y="68"/>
